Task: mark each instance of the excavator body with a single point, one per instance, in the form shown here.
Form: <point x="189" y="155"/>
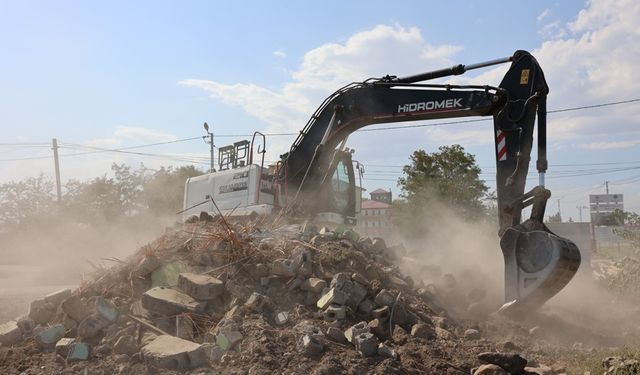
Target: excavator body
<point x="316" y="178"/>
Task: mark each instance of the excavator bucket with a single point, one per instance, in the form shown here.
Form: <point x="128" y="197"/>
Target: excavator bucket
<point x="538" y="264"/>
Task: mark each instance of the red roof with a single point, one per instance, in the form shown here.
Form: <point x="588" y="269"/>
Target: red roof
<point x="379" y="191"/>
<point x="374" y="204"/>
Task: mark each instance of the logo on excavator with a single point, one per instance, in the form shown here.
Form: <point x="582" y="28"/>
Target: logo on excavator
<point x="431" y="105"/>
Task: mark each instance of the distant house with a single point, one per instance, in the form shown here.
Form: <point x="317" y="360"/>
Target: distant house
<point x="374" y="219"/>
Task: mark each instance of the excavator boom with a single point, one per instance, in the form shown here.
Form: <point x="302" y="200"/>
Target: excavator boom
<point x="538" y="263"/>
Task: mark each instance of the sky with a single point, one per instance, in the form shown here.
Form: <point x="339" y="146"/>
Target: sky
<point x="122" y="74"/>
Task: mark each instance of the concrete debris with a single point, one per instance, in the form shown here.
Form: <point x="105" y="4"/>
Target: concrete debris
<point x="423" y="331"/>
<point x="310" y="345"/>
<point x="78" y="351"/>
<point x="174" y="353"/>
<point x="337" y="335"/>
<point x="92" y="325"/>
<point x="107" y="310"/>
<point x="26" y="325"/>
<point x="200" y="287"/>
<point x="76" y="308"/>
<point x="335" y="312"/>
<point x="387" y="351"/>
<point x="56" y="298"/>
<point x="257" y="302"/>
<point x="41" y="311"/>
<point x="125" y="345"/>
<point x="314" y="285"/>
<point x="228" y="339"/>
<point x="333" y="296"/>
<point x="282" y="318"/>
<point x="166" y="302"/>
<point x="50" y="336"/>
<point x="355" y="330"/>
<point x="63" y="345"/>
<point x="167" y="275"/>
<point x="366" y="343"/>
<point x="385" y="298"/>
<point x="10" y="333"/>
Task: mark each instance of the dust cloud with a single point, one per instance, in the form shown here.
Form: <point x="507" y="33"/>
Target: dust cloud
<point x="59" y="253"/>
<point x="585" y="313"/>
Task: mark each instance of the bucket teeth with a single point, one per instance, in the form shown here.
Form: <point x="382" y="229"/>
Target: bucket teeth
<point x="538" y="264"/>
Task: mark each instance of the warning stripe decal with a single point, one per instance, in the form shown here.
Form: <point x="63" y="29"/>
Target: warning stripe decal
<point x="502" y="145"/>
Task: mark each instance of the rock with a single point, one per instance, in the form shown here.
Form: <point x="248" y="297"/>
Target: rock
<point x="167" y="274"/>
<point x="69" y="324"/>
<point x="335" y="312"/>
<point x="41" y="311"/>
<point x="385" y="298"/>
<point x="472" y="334"/>
<point x="381" y="313"/>
<point x="366" y="307"/>
<point x="314" y="285"/>
<point x="283" y="267"/>
<point x="76" y="308"/>
<point x="122" y="358"/>
<point x="56" y="298"/>
<point x="62" y="346"/>
<point x="490" y="370"/>
<point x="256" y="302"/>
<point x="423" y="331"/>
<point x="387" y="351"/>
<point x="213" y="352"/>
<point x="620" y="366"/>
<point x="174" y="353"/>
<point x="355" y="330"/>
<point x="310" y="345"/>
<point x="184" y="327"/>
<point x="228" y="339"/>
<point x="26" y="325"/>
<point x="356" y="294"/>
<point x="511" y="362"/>
<point x="379" y="329"/>
<point x="50" y="336"/>
<point x="539" y="370"/>
<point x="78" y="351"/>
<point x="366" y="343"/>
<point x="282" y="318"/>
<point x="336" y="335"/>
<point x="200" y="287"/>
<point x="10" y="333"/>
<point x="125" y="345"/>
<point x="107" y="310"/>
<point x="167" y="302"/>
<point x="92" y="325"/>
<point x="332" y="296"/>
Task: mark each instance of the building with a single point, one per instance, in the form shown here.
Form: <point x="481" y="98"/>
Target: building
<point x="374" y="219"/>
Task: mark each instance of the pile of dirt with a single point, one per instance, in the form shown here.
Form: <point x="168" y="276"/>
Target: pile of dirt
<point x="214" y="297"/>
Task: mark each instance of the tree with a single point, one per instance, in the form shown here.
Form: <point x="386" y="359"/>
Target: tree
<point x="449" y="177"/>
<point x="163" y="192"/>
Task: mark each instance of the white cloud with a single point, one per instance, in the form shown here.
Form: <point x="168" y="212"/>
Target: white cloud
<point x="545" y="13"/>
<point x="279" y="54"/>
<point x="143" y="134"/>
<point x="613" y="145"/>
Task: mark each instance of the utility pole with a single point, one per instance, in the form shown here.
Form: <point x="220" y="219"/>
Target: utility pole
<point x="606" y="183"/>
<point x="580" y="209"/>
<point x="210" y="142"/>
<point x="559" y="214"/>
<point x="57" y="165"/>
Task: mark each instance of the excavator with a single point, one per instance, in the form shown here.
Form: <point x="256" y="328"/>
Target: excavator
<point x="316" y="178"/>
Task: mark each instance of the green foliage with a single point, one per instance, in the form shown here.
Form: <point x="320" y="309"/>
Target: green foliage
<point x="128" y="193"/>
<point x="449" y="177"/>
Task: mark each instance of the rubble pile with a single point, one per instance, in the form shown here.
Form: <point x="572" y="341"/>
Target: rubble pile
<point x="240" y="299"/>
